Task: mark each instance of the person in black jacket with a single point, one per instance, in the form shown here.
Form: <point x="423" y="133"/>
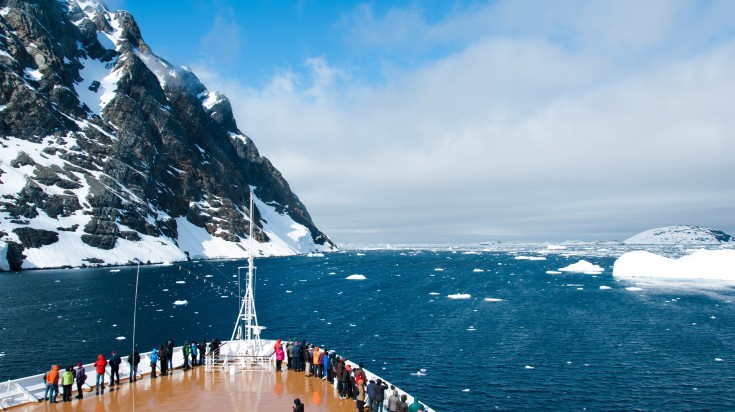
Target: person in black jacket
<point x="214" y="347"/>
<point x="297" y="405"/>
<point x="380" y="388"/>
<point x="170" y="358"/>
<point x="163" y="358"/>
<point x="133" y="361"/>
<point x="202" y="351"/>
<point x="114" y="363"/>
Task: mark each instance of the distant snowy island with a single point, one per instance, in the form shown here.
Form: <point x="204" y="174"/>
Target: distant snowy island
<point x="680" y="235"/>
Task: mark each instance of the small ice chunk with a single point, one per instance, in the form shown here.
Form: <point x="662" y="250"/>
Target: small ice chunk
<point x="181" y="302"/>
<point x="529" y="367"/>
<point x="478" y="270"/>
<point x="356" y="277"/>
<point x="434" y="293"/>
<point x="493" y="300"/>
<point x="553" y="272"/>
<point x="604" y="287"/>
<point x="634" y="289"/>
<point x="459" y="296"/>
<point x="120" y="338"/>
<point x="463" y="390"/>
<point x="114" y="270"/>
<point x="719" y="360"/>
<point x="180" y="282"/>
<point x="438" y="270"/>
<point x="583" y="266"/>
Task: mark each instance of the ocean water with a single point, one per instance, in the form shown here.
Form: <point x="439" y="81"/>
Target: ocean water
<point x="513" y="337"/>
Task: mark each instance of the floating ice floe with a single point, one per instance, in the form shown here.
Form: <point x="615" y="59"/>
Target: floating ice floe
<point x="465" y="390"/>
<point x="583" y="266"/>
<point x="459" y="296"/>
<point x="356" y="277"/>
<point x="434" y="293"/>
<point x="493" y="300"/>
<point x="288" y="291"/>
<point x="634" y="289"/>
<point x="208" y="276"/>
<point x="181" y="302"/>
<point x="555" y="247"/>
<point x="702" y="264"/>
<point x="553" y="272"/>
<point x="603" y="287"/>
<point x="529" y="367"/>
<point x="478" y="270"/>
<point x="180" y="282"/>
<point x="530" y="258"/>
<point x="421" y="372"/>
<point x="120" y="338"/>
<point x="438" y="270"/>
<point x="471" y="329"/>
<point x="114" y="270"/>
<point x="719" y="360"/>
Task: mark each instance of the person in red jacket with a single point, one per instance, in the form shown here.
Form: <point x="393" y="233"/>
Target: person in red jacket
<point x="100" y="367"/>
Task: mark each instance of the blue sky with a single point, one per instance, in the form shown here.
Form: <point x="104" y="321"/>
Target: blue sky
<point x="439" y="121"/>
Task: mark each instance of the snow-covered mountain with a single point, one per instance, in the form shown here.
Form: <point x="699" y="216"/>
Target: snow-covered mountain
<point x="684" y="235"/>
<point x="111" y="154"/>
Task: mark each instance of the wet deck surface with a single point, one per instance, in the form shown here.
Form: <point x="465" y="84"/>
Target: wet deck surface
<point x="196" y="390"/>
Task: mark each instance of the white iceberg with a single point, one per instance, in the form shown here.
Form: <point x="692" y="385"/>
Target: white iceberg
<point x="459" y="296"/>
<point x="493" y="300"/>
<point x="583" y="266"/>
<point x="120" y="338"/>
<point x="702" y="264"/>
<point x="181" y="302"/>
<point x="356" y="277"/>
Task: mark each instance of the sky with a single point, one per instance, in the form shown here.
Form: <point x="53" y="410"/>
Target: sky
<point x="475" y="121"/>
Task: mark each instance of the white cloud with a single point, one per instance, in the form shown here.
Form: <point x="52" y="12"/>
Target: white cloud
<point x="510" y="136"/>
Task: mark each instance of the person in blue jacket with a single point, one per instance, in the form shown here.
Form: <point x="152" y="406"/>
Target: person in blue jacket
<point x="154" y="362"/>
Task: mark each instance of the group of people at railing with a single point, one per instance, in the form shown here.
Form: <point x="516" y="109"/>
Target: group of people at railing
<point x="351" y="382"/>
<point x="194" y="355"/>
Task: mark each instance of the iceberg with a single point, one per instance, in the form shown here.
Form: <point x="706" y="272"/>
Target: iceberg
<point x="459" y="296"/>
<point x="356" y="277"/>
<point x="702" y="264"/>
<point x="181" y="302"/>
<point x="583" y="266"/>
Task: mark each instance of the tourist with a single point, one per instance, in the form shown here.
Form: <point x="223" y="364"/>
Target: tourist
<point x="320" y="363"/>
<point x="360" y="383"/>
<point x="316" y="364"/>
<point x="52" y="384"/>
<point x="296" y="356"/>
<point x="214" y="348"/>
<point x="202" y="351"/>
<point x="279" y="357"/>
<point x="81" y="376"/>
<point x="162" y="358"/>
<point x="114" y="363"/>
<point x="67" y="379"/>
<point x="297" y="405"/>
<point x="371" y="394"/>
<point x="100" y="369"/>
<point x="416" y="406"/>
<point x="393" y="400"/>
<point x="380" y="388"/>
<point x="344" y="380"/>
<point x="339" y="366"/>
<point x="133" y="361"/>
<point x="327" y="367"/>
<point x="278" y="343"/>
<point x="289" y="353"/>
<point x="307" y="353"/>
<point x="154" y="363"/>
<point x="185" y="351"/>
<point x="194" y="348"/>
<point x="403" y="403"/>
<point x="170" y="356"/>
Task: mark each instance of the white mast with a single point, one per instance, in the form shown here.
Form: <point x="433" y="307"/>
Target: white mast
<point x="251" y="335"/>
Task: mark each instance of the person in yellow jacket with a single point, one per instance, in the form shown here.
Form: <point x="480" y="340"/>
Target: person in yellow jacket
<point x="52" y="384"/>
<point x="67" y="379"/>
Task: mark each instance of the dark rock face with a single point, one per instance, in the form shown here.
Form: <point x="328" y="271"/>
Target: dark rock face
<point x="157" y="147"/>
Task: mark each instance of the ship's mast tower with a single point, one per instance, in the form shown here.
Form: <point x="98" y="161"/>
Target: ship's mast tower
<point x="250" y="338"/>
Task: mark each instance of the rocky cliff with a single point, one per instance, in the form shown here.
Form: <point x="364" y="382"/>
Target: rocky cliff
<point x="111" y="154"/>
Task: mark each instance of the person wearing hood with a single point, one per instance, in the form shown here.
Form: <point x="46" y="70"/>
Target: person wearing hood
<point x="52" y="384"/>
<point x="416" y="406"/>
<point x="194" y="348"/>
<point x="320" y="363"/>
<point x="296" y="355"/>
<point x="114" y="363"/>
<point x="163" y="359"/>
<point x="297" y="405"/>
<point x="170" y="356"/>
<point x="81" y="376"/>
<point x="154" y="363"/>
<point x="279" y="357"/>
<point x="360" y="384"/>
<point x="403" y="403"/>
<point x="185" y="351"/>
<point x="203" y="352"/>
<point x="393" y="400"/>
<point x="315" y="362"/>
<point x="100" y="369"/>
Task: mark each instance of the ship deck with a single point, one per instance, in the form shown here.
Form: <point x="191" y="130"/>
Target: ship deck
<point x="196" y="390"/>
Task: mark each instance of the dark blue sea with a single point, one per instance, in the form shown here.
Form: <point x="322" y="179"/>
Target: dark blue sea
<point x="523" y="340"/>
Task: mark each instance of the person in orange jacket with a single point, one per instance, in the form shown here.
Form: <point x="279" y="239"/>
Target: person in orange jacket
<point x="100" y="368"/>
<point x="52" y="384"/>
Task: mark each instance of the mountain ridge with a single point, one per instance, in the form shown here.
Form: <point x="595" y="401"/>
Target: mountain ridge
<point x="108" y="148"/>
<point x="680" y="234"/>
